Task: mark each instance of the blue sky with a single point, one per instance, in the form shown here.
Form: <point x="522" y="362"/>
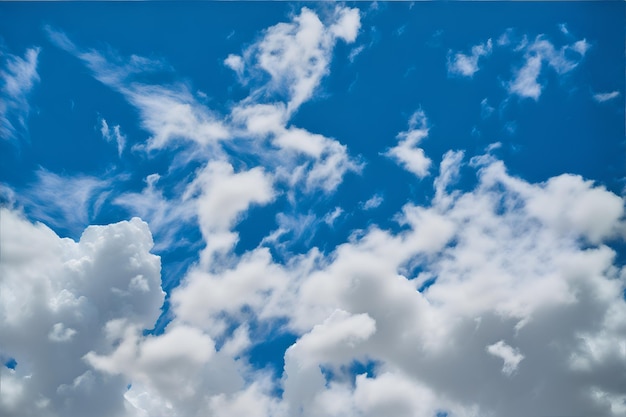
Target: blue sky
<point x="312" y="209"/>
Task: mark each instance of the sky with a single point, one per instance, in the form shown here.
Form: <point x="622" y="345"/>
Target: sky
<point x="312" y="209"/>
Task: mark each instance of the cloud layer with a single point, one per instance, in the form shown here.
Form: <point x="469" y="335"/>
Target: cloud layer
<point x="503" y="297"/>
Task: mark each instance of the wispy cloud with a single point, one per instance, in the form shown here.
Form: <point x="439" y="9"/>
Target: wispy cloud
<point x="166" y="217"/>
<point x="18" y="76"/>
<point x="170" y="113"/>
<point x="467" y="65"/>
<point x="64" y="201"/>
<point x="602" y="97"/>
<point x="114" y="135"/>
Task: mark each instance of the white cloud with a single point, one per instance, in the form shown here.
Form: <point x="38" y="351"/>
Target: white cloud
<point x="170" y="113"/>
<point x="297" y="55"/>
<point x="406" y="152"/>
<point x="602" y="97"/>
<point x="485" y="109"/>
<point x="509" y="259"/>
<point x="375" y="201"/>
<point x="356" y="51"/>
<point x="525" y="83"/>
<point x="511" y="356"/>
<point x="536" y="54"/>
<point x="65" y="292"/>
<point x="64" y="201"/>
<point x="116" y="136"/>
<point x="166" y="216"/>
<point x="332" y="216"/>
<point x="18" y="77"/>
<point x="224" y="195"/>
<point x="467" y="65"/>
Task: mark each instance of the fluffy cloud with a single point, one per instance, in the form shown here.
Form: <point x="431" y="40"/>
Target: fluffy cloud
<point x="467" y="65"/>
<point x="18" y="76"/>
<point x="406" y="152"/>
<point x="69" y="295"/>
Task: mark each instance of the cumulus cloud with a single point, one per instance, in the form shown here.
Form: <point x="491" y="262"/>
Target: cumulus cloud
<point x="70" y="295"/>
<point x="467" y="65"/>
<point x="17" y="76"/>
<point x="406" y="152"/>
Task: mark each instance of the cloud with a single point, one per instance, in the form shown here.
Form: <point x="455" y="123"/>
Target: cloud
<point x="64" y="201"/>
<point x="169" y="112"/>
<point x="18" y="77"/>
<point x="332" y="216"/>
<point x="602" y="97"/>
<point x="467" y="65"/>
<point x="114" y="136"/>
<point x="224" y="195"/>
<point x="166" y="216"/>
<point x="424" y="306"/>
<point x="539" y="53"/>
<point x="485" y="109"/>
<point x="375" y="201"/>
<point x="296" y="55"/>
<point x="509" y="355"/>
<point x="508" y="260"/>
<point x="70" y="295"/>
<point x="406" y="151"/>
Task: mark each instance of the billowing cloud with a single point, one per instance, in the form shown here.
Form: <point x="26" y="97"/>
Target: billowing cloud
<point x="73" y="297"/>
